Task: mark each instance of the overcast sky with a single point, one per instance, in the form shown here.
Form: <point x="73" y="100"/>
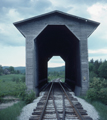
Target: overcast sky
<point x="12" y="43"/>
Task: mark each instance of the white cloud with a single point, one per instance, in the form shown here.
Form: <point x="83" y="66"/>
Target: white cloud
<point x="12" y="11"/>
<point x="98" y="54"/>
<point x="14" y="15"/>
<point x="12" y="56"/>
<point x="10" y="35"/>
<point x="56" y="61"/>
<point x="99" y="51"/>
<point x="55" y="64"/>
<point x="98" y="12"/>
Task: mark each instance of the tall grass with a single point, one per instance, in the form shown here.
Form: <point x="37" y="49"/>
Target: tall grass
<point x="11" y="113"/>
<point x="11" y="88"/>
<point x="100" y="107"/>
<point x="10" y="77"/>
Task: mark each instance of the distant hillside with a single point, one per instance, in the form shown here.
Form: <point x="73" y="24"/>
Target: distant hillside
<point x="22" y="69"/>
<point x="57" y="69"/>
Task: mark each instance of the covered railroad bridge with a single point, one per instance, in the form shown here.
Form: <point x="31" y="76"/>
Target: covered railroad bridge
<point x="62" y="34"/>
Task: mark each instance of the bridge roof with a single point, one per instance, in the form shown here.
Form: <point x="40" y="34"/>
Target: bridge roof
<point x="55" y="12"/>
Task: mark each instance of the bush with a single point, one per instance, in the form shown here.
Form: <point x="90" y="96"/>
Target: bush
<point x="23" y="79"/>
<point x="92" y="94"/>
<point x="28" y="97"/>
<point x="103" y="95"/>
<point x="98" y="90"/>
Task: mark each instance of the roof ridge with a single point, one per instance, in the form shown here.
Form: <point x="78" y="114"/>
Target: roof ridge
<point x="52" y="12"/>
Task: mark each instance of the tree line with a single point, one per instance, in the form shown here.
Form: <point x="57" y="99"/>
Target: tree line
<point x="98" y="81"/>
<point x="98" y="68"/>
<point x="8" y="70"/>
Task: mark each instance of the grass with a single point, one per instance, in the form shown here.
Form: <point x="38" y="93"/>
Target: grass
<point x="11" y="84"/>
<point x="100" y="107"/>
<point x="14" y="85"/>
<point x="11" y="88"/>
<point x="10" y="77"/>
<point x="63" y="79"/>
<point x="11" y="113"/>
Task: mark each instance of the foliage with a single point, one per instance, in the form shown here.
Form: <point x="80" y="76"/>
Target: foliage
<point x="11" y="113"/>
<point x="1" y="70"/>
<point x="98" y="68"/>
<point x="103" y="70"/>
<point x="98" y="90"/>
<point x="55" y="75"/>
<point x="100" y="107"/>
<point x="11" y="77"/>
<point x="11" y="88"/>
<point x="16" y="87"/>
<point x="11" y="70"/>
<point x="28" y="96"/>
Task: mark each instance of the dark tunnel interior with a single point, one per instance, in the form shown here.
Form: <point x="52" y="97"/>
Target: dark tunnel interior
<point x="58" y="40"/>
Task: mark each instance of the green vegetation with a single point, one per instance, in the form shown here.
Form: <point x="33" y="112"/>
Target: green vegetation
<point x="98" y="81"/>
<point x="97" y="93"/>
<point x="11" y="70"/>
<point x="100" y="107"/>
<point x="57" y="69"/>
<point x="14" y="85"/>
<point x="55" y="75"/>
<point x="10" y="77"/>
<point x="11" y="113"/>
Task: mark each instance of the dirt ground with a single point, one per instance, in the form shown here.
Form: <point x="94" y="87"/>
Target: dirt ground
<point x="9" y="101"/>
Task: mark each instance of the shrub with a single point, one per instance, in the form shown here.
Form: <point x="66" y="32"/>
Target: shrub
<point x="98" y="90"/>
<point x="28" y="97"/>
<point x="23" y="79"/>
<point x="92" y="94"/>
<point x="103" y="95"/>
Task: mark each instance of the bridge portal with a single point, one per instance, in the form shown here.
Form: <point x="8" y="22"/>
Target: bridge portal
<point x="61" y="34"/>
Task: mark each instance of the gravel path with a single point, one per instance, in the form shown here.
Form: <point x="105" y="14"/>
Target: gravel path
<point x="28" y="109"/>
<point x="88" y="107"/>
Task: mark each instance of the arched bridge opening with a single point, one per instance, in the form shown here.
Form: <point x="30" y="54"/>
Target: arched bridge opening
<point x="58" y="40"/>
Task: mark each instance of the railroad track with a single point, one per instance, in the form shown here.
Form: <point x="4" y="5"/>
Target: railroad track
<point x="57" y="104"/>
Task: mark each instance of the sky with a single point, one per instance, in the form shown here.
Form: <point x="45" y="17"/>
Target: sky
<point x="12" y="43"/>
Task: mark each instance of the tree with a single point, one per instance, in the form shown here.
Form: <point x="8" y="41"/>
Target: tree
<point x="11" y="69"/>
<point x="1" y="70"/>
<point x="18" y="72"/>
<point x="103" y="70"/>
<point x="91" y="61"/>
<point x="91" y="66"/>
<point x="96" y="67"/>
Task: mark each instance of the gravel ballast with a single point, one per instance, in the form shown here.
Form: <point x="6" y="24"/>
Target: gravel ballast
<point x="28" y="109"/>
<point x="88" y="107"/>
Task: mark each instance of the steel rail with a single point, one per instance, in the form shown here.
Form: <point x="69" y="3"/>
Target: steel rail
<point x="58" y="118"/>
<point x="74" y="108"/>
<point x="43" y="111"/>
<point x="63" y="107"/>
